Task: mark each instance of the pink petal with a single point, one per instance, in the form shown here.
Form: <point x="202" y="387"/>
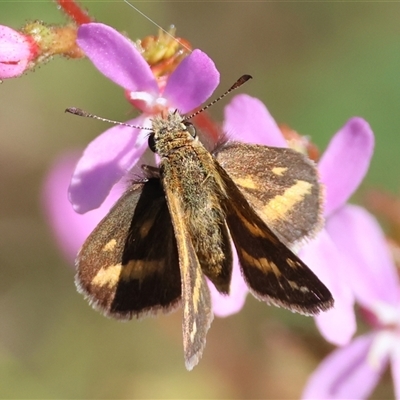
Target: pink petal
<point x="248" y="120"/>
<point x="345" y="162"/>
<point x="371" y="271"/>
<point x="337" y="325"/>
<point x="192" y="83"/>
<point x="15" y="53"/>
<point x="70" y="229"/>
<point x="345" y="373"/>
<point x="104" y="162"/>
<point x="116" y="57"/>
<point x="224" y="306"/>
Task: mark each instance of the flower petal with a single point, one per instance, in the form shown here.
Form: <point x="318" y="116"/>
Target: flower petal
<point x="228" y="305"/>
<point x="345" y="162"/>
<point x="371" y="271"/>
<point x="116" y="57"/>
<point x="384" y="344"/>
<point x="104" y="162"/>
<point x="70" y="229"/>
<point x="248" y="120"/>
<point x="15" y="53"/>
<point x="345" y="373"/>
<point x="337" y="325"/>
<point x="192" y="83"/>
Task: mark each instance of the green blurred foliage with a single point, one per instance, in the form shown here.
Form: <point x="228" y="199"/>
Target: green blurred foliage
<point x="314" y="64"/>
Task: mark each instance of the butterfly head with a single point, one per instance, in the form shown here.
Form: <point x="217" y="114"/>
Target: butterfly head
<point x="170" y="132"/>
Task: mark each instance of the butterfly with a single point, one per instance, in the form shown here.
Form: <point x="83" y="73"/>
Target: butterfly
<point x="174" y="228"/>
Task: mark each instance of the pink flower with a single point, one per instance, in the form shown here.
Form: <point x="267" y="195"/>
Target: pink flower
<point x="16" y="51"/>
<point x="118" y="150"/>
<point x="353" y="371"/>
<point x="342" y="168"/>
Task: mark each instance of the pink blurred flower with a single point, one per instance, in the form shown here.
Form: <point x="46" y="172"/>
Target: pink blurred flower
<point x="16" y="51"/>
<point x="353" y="371"/>
<point x="342" y="168"/>
<point x="119" y="149"/>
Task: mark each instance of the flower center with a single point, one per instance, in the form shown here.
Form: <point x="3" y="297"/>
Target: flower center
<point x="146" y="102"/>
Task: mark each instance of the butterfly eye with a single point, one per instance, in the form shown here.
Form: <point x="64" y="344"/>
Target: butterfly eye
<point x="152" y="143"/>
<point x="191" y="129"/>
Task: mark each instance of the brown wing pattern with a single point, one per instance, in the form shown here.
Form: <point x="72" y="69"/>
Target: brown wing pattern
<point x="129" y="264"/>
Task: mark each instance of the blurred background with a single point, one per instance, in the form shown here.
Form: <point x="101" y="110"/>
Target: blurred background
<point x="315" y="64"/>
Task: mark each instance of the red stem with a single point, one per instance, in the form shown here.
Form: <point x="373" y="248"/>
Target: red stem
<point x="74" y="11"/>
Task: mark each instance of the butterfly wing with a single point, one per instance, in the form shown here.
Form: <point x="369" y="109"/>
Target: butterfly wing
<point x="272" y="271"/>
<point x="197" y="312"/>
<point x="129" y="264"/>
<point x="280" y="184"/>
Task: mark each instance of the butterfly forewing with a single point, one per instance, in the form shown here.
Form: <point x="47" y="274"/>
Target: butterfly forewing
<point x="129" y="264"/>
<point x="197" y="312"/>
<point x="280" y="184"/>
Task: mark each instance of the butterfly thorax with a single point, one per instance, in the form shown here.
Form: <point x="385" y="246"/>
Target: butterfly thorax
<point x="170" y="133"/>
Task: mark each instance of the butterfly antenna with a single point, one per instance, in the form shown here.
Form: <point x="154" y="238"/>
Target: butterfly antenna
<point x="83" y="113"/>
<point x="243" y="79"/>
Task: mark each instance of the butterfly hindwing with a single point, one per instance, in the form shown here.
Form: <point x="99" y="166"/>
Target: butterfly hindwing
<point x="280" y="184"/>
<point x="272" y="271"/>
<point x="129" y="264"/>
